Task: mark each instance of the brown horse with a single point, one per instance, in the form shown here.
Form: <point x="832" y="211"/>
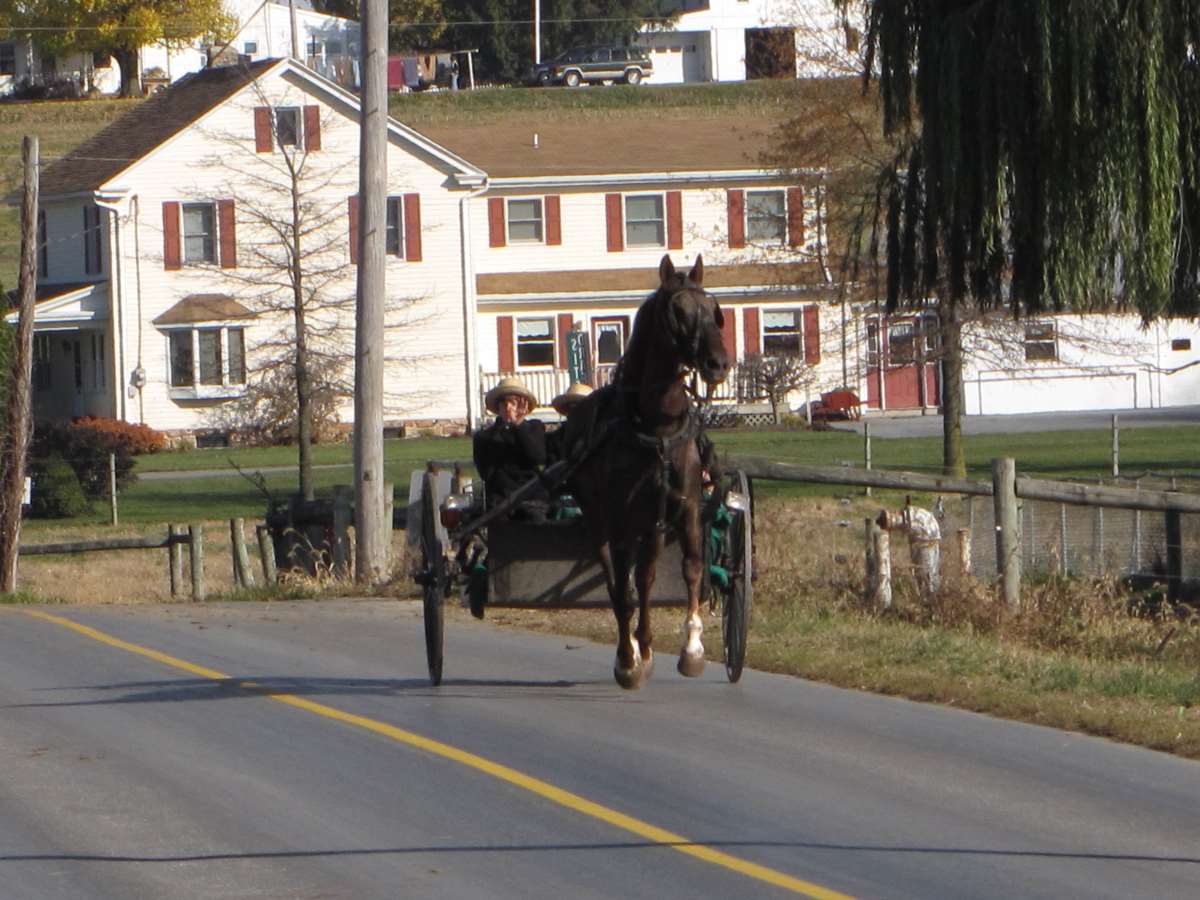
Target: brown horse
<point x="641" y="469"/>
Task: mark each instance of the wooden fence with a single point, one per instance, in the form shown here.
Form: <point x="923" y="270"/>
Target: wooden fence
<point x="1006" y="490"/>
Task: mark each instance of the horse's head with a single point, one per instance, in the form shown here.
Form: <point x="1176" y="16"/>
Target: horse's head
<point x="693" y="319"/>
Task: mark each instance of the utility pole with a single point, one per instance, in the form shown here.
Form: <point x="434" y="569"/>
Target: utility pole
<point x="537" y="31"/>
<point x="373" y="534"/>
<point x="16" y="440"/>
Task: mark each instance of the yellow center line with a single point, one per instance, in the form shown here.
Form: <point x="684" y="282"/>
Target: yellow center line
<point x="481" y="764"/>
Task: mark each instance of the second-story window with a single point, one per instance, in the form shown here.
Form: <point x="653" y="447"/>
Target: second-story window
<point x="525" y="220"/>
<point x="93" y="261"/>
<point x="645" y="224"/>
<point x="43" y="250"/>
<point x="199" y="233"/>
<point x="766" y="217"/>
<point x="287" y="126"/>
<point x="395" y="226"/>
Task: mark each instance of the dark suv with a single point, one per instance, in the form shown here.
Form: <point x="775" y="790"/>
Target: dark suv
<point x="594" y="64"/>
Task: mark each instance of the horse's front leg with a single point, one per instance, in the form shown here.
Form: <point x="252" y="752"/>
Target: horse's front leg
<point x="618" y="570"/>
<point x="691" y="657"/>
<point x="647" y="562"/>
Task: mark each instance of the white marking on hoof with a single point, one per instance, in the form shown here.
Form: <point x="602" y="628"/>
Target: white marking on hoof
<point x="691" y="658"/>
<point x="633" y="677"/>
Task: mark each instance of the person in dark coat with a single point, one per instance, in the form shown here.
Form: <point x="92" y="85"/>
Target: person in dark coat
<point x="512" y="450"/>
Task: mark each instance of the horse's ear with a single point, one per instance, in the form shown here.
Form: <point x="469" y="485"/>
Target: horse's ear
<point x="696" y="276"/>
<point x="666" y="270"/>
<point x="718" y="315"/>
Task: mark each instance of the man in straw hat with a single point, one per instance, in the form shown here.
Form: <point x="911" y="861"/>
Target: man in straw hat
<point x="563" y="404"/>
<point x="511" y="450"/>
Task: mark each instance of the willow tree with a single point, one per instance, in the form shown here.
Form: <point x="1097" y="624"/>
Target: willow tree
<point x="1046" y="161"/>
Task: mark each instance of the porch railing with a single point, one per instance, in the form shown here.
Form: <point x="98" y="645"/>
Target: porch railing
<point x="546" y="384"/>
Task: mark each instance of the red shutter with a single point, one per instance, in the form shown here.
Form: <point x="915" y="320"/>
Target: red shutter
<point x="616" y="228"/>
<point x="262" y="129"/>
<point x="354" y="230"/>
<point x="412" y="227"/>
<point x="565" y="321"/>
<point x="504" y="340"/>
<point x="312" y="128"/>
<point x="227" y="233"/>
<point x="553" y="220"/>
<point x="812" y="335"/>
<point x="674" y="220"/>
<point x="795" y="216"/>
<point x="496" y="222"/>
<point x="171" y="255"/>
<point x="729" y="332"/>
<point x="750" y="325"/>
<point x="736" y="203"/>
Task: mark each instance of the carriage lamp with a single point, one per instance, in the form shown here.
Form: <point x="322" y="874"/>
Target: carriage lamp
<point x="737" y="501"/>
<point x="455" y="508"/>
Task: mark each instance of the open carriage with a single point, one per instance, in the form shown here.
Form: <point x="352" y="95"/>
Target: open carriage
<point x="492" y="561"/>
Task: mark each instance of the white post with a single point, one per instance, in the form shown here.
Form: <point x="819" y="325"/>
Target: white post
<point x="537" y="31"/>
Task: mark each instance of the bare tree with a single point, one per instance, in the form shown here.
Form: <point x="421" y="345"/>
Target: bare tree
<point x="294" y="273"/>
<point x="777" y="376"/>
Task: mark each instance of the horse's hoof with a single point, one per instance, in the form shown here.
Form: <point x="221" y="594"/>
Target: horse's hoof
<point x="647" y="665"/>
<point x="629" y="679"/>
<point x="691" y="666"/>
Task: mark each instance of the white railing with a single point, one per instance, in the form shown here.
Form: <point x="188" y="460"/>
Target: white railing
<point x="547" y="384"/>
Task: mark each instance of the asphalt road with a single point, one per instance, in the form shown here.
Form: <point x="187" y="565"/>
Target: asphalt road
<point x="296" y="750"/>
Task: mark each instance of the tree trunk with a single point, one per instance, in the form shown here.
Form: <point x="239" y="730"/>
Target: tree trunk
<point x="304" y="411"/>
<point x="16" y="440"/>
<point x="129" y="59"/>
<point x="950" y="324"/>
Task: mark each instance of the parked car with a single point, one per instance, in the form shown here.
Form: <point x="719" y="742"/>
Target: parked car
<point x="594" y="64"/>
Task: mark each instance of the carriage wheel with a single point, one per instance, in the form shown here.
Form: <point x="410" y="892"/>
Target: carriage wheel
<point x="735" y="618"/>
<point x="434" y="562"/>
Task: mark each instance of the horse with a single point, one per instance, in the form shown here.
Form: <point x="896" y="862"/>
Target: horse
<point x="638" y="468"/>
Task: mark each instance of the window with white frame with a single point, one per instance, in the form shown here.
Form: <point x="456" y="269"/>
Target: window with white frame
<point x="395" y="226"/>
<point x="287" y="126"/>
<point x="766" y="216"/>
<point x="535" y="342"/>
<point x="199" y="233"/>
<point x="525" y="219"/>
<point x="41" y="362"/>
<point x="645" y="223"/>
<point x="783" y="332"/>
<point x="207" y="356"/>
<point x="93" y="261"/>
<point x="1041" y="344"/>
<point x="250" y="48"/>
<point x="96" y="377"/>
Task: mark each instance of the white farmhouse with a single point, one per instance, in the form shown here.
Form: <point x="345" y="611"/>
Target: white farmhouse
<point x="508" y="243"/>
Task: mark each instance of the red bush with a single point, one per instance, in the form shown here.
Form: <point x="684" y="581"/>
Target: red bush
<point x="111" y="433"/>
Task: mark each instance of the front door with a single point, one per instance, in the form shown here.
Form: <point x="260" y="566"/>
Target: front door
<point x="608" y="338"/>
<point x="902" y="369"/>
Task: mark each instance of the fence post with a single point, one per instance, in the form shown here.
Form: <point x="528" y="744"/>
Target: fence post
<point x="175" y="559"/>
<point x="1062" y="540"/>
<point x="879" y="566"/>
<point x="266" y="552"/>
<point x="112" y="487"/>
<point x="1008" y="537"/>
<point x="243" y="575"/>
<point x="964" y="552"/>
<point x="1116" y="447"/>
<point x="196" y="546"/>
<point x="867" y="451"/>
<point x="343" y="497"/>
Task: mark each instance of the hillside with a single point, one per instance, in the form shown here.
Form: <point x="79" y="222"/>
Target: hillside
<point x="820" y="122"/>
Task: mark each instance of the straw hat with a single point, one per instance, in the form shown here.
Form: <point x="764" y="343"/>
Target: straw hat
<point x="508" y="387"/>
<point x="566" y="401"/>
